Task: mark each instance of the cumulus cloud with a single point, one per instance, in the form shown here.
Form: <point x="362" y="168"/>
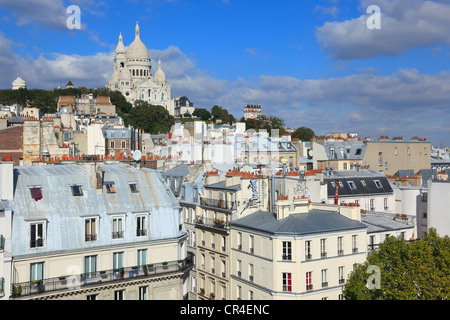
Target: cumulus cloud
<point x="47" y="13"/>
<point x="405" y="24"/>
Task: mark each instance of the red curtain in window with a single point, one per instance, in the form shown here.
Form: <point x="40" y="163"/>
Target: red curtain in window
<point x="289" y="283"/>
<point x="36" y="193"/>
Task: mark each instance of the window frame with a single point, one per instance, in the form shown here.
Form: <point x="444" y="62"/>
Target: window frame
<point x="76" y="194"/>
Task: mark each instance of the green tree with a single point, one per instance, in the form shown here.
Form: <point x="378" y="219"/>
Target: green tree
<point x="151" y="119"/>
<point x="203" y="114"/>
<point x="222" y="114"/>
<point x="303" y="134"/>
<point x="408" y="271"/>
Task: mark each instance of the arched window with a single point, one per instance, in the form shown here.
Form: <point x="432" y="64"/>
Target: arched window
<point x="133" y="72"/>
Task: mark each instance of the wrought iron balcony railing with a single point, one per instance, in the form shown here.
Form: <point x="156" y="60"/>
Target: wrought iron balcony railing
<point x="220" y="204"/>
<point x="78" y="281"/>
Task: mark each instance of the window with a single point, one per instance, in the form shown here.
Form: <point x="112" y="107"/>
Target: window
<point x="287" y="281"/>
<point x="142" y="257"/>
<point x="354" y="243"/>
<point x="90" y="266"/>
<point x="372" y="204"/>
<point x="76" y="190"/>
<point x="323" y="248"/>
<point x="333" y="184"/>
<point x="223" y="243"/>
<point x="309" y="285"/>
<point x="36" y="193"/>
<point x="396" y="151"/>
<point x="223" y="268"/>
<point x="287" y="251"/>
<point x="425" y="151"/>
<point x="133" y="187"/>
<point x="119" y="295"/>
<point x="117" y="261"/>
<point x="124" y="144"/>
<point x="117" y="230"/>
<point x="352" y="185"/>
<point x="341" y="185"/>
<point x="378" y="184"/>
<point x="110" y="187"/>
<point x="308" y="250"/>
<point x="239" y="268"/>
<point x="250" y="272"/>
<point x="141" y="226"/>
<point x="195" y="195"/>
<point x="239" y="292"/>
<point x="341" y="275"/>
<point x="364" y="183"/>
<point x="111" y="144"/>
<point x="340" y="246"/>
<point x="324" y="278"/>
<point x="143" y="293"/>
<point x="92" y="297"/>
<point x="252" y="244"/>
<point x="358" y="151"/>
<point x="239" y="241"/>
<point x="36" y="235"/>
<point x="37" y="271"/>
<point x="380" y="158"/>
<point x="386" y="204"/>
<point x="90" y="227"/>
<point x="409" y="151"/>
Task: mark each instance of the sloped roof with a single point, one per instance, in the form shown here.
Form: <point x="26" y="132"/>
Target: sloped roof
<point x="314" y="221"/>
<point x="64" y="211"/>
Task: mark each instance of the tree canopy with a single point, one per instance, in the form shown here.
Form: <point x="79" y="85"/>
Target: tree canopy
<point x="265" y="122"/>
<point x="418" y="270"/>
<point x="221" y="113"/>
<point x="201" y="113"/>
<point x="151" y="119"/>
<point x="303" y="134"/>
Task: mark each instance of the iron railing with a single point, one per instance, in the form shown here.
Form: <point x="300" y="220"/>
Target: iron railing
<point x="77" y="281"/>
<point x="220" y="204"/>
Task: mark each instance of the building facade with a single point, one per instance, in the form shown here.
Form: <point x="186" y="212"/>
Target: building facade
<point x="92" y="231"/>
<point x="132" y="75"/>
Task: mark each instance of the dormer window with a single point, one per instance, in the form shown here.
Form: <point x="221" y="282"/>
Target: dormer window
<point x="378" y="184"/>
<point x="133" y="187"/>
<point x="110" y="187"/>
<point x="76" y="190"/>
<point x="351" y="185"/>
<point x="36" y="193"/>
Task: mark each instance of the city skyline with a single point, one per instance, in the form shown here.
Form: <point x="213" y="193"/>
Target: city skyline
<point x="311" y="63"/>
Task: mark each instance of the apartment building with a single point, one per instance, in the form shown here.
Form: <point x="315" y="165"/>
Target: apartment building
<point x="91" y="232"/>
<point x="337" y="153"/>
<point x="438" y="204"/>
<point x="371" y="190"/>
<point x="305" y="254"/>
<point x="391" y="155"/>
<point x="225" y="197"/>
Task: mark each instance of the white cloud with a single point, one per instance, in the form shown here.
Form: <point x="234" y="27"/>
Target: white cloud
<point x="48" y="13"/>
<point x="405" y="24"/>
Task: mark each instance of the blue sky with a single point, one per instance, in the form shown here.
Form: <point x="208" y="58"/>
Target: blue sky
<point x="311" y="62"/>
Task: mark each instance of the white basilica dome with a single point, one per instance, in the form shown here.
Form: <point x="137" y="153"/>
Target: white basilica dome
<point x="137" y="49"/>
<point x="18" y="83"/>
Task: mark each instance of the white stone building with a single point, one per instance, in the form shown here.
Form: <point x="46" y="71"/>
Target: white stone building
<point x="132" y="75"/>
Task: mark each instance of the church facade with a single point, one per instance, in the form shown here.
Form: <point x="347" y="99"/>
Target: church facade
<point x="132" y="75"/>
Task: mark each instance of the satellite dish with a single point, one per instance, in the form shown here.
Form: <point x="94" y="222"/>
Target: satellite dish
<point x="136" y="155"/>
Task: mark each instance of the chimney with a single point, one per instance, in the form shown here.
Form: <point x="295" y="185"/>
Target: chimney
<point x="7" y="180"/>
<point x="95" y="174"/>
<point x="336" y="192"/>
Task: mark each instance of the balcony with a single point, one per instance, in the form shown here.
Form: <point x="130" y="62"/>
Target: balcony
<point x="79" y="281"/>
<point x="213" y="223"/>
<point x="117" y="235"/>
<point x="219" y="204"/>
